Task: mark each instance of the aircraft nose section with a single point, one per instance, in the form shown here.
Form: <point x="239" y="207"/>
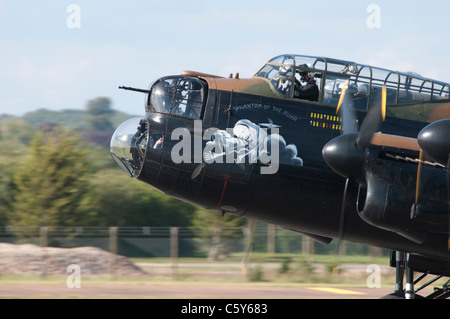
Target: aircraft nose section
<point x="342" y="155"/>
<point x="128" y="145"/>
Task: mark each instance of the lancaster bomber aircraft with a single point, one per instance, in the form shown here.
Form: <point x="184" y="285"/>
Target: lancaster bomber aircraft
<point x="328" y="148"/>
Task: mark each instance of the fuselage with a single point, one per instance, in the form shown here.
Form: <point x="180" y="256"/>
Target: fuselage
<point x="240" y="146"/>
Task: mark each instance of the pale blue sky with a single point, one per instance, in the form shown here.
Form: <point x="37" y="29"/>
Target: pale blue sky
<point x="46" y="64"/>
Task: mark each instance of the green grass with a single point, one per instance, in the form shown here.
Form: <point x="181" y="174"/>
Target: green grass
<point x="274" y="258"/>
<point x="262" y="268"/>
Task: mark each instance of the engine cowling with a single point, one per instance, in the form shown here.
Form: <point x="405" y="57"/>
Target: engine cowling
<point x="390" y="199"/>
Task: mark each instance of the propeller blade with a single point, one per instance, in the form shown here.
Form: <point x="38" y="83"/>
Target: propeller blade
<point x="342" y="217"/>
<point x="342" y="97"/>
<point x="348" y="116"/>
<point x="344" y="154"/>
<point x="419" y="170"/>
<point x="341" y="228"/>
<point x="383" y="102"/>
<point x="246" y="258"/>
<point x="372" y="122"/>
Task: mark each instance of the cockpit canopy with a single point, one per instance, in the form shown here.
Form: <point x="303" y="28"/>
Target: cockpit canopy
<point x="177" y="95"/>
<point x="365" y="82"/>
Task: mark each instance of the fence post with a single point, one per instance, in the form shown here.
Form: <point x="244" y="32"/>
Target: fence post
<point x="113" y="249"/>
<point x="43" y="238"/>
<point x="174" y="250"/>
<point x="307" y="245"/>
<point x="213" y="252"/>
<point x="270" y="238"/>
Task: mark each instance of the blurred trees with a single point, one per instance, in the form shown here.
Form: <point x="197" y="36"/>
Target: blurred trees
<point x="56" y="175"/>
<point x="15" y="135"/>
<point x="123" y="201"/>
<point x="222" y="232"/>
<point x="51" y="185"/>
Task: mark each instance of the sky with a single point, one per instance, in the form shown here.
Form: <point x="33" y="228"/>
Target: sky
<point x="57" y="54"/>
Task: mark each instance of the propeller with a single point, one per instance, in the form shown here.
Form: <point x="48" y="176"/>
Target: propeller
<point x="345" y="154"/>
<point x="341" y="227"/>
<point x="372" y="122"/>
<point x="246" y="257"/>
<point x="419" y="174"/>
<point x="348" y="125"/>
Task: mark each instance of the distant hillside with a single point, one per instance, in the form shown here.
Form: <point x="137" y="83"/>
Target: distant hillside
<point x="72" y="119"/>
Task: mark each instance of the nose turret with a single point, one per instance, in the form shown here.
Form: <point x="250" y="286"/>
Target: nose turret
<point x="128" y="145"/>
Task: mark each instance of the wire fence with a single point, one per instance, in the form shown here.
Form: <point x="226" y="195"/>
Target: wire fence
<point x="99" y="250"/>
<point x="147" y="241"/>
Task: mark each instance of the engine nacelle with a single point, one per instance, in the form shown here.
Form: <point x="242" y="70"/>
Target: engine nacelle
<point x="391" y="197"/>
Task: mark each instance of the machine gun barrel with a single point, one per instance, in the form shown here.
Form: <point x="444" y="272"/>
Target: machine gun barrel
<point x="133" y="89"/>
